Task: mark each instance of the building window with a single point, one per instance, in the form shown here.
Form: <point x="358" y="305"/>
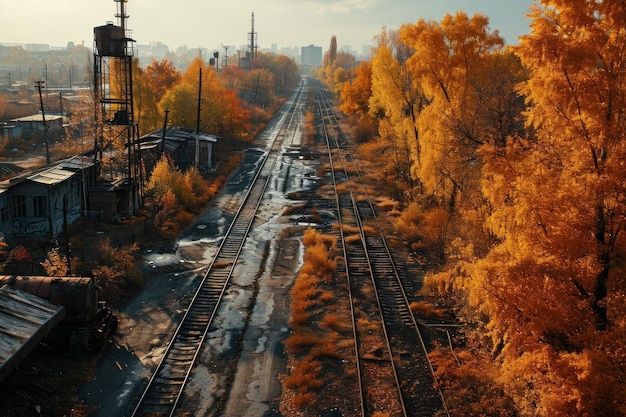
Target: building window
<point x="19" y="206"/>
<point x="40" y="206"/>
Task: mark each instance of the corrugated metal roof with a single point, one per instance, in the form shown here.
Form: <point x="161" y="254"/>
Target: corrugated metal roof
<point x="25" y="320"/>
<point x="53" y="173"/>
<point x="37" y="118"/>
<point x="177" y="134"/>
<point x="62" y="171"/>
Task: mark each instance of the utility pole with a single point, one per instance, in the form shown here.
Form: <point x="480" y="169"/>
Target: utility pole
<point x="252" y="44"/>
<point x="39" y="85"/>
<point x="197" y="157"/>
<point x="61" y="104"/>
<point x="164" y="129"/>
<point x="68" y="248"/>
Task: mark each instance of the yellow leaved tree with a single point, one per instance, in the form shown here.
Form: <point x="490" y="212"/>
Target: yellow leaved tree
<point x="150" y="85"/>
<point x="454" y="64"/>
<point x="221" y="111"/>
<point x="553" y="288"/>
<point x="395" y="105"/>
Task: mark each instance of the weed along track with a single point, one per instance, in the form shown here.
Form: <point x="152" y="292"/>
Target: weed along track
<point x="351" y="346"/>
<point x="395" y="375"/>
<point x="163" y="393"/>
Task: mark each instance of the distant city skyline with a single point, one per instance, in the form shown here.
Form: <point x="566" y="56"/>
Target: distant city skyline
<point x="198" y="24"/>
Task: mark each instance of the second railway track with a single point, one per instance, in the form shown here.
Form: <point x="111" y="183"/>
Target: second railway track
<point x="396" y="376"/>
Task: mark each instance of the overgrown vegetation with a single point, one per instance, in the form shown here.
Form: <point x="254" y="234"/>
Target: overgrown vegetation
<point x="504" y="162"/>
<point x="236" y="104"/>
<point x="111" y="252"/>
<point x="317" y="341"/>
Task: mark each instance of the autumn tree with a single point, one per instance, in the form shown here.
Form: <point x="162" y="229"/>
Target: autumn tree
<point x="356" y="95"/>
<point x="395" y="105"/>
<point x="354" y="101"/>
<point x="552" y="289"/>
<point x="145" y="105"/>
<point x="55" y="264"/>
<point x="177" y="196"/>
<point x="331" y="54"/>
<point x="284" y="70"/>
<point x="162" y="76"/>
<point x="449" y="65"/>
<point x="257" y="87"/>
<point x="337" y="67"/>
<point x="232" y="77"/>
<point x="221" y="111"/>
<point x="150" y="86"/>
<point x="116" y="269"/>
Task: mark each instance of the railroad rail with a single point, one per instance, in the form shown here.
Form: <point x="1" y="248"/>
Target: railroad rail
<point x="395" y="374"/>
<point x="164" y="390"/>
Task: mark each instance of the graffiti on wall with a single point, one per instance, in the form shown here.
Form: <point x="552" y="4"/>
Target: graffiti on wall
<point x="30" y="227"/>
<point x="40" y="226"/>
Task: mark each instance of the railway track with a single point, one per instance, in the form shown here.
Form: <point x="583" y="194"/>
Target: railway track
<point x="394" y="372"/>
<point x="164" y="390"/>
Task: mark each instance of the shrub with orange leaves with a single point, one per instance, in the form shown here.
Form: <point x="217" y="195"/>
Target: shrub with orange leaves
<point x="21" y="255"/>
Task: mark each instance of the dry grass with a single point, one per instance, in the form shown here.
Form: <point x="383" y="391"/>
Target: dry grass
<point x="426" y="310"/>
<point x="304" y="378"/>
<point x="352" y="239"/>
<point x="302" y="401"/>
<point x="326" y="297"/>
<point x="326" y="349"/>
<point x="347" y="229"/>
<point x="318" y="262"/>
<point x="331" y="321"/>
<point x="367" y="325"/>
<point x="302" y="339"/>
<point x="304" y="282"/>
<point x="315" y="337"/>
<point x="369" y="231"/>
<point x="312" y="236"/>
<point x="343" y="188"/>
<point x="388" y="205"/>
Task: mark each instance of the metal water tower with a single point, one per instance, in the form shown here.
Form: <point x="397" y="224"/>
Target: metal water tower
<point x="113" y="88"/>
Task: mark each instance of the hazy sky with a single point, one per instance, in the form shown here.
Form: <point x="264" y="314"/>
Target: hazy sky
<point x="209" y="23"/>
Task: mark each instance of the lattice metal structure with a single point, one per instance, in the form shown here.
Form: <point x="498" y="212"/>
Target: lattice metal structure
<point x="113" y="88"/>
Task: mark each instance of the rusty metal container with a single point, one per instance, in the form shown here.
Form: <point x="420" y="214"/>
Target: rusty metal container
<point x="78" y="295"/>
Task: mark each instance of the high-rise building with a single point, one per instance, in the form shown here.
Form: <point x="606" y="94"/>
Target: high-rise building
<point x="311" y="55"/>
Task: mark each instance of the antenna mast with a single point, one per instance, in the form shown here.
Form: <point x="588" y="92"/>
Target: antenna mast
<point x="253" y="44"/>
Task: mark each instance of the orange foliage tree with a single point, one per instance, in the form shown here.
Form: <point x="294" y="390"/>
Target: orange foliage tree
<point x="337" y="67"/>
<point x="177" y="195"/>
<point x="150" y="86"/>
<point x="395" y="105"/>
<point x="355" y="96"/>
<point x="221" y="111"/>
<point x="552" y="288"/>
<point x="284" y="70"/>
<point x="548" y="195"/>
<point x="451" y="66"/>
